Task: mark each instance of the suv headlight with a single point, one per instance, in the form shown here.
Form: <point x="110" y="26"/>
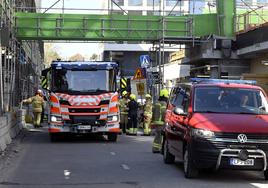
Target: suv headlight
<point x="113" y="118"/>
<point x="55" y="119"/>
<point x="202" y="133"/>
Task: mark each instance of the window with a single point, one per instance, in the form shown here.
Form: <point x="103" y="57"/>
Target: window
<point x="134" y="2"/>
<point x="173" y="2"/>
<point x="153" y="2"/>
<point x="119" y="2"/>
<point x="229" y="100"/>
<point x="262" y="1"/>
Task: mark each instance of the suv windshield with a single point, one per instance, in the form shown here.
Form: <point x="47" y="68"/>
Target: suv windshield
<point x="230" y="100"/>
<point x="83" y="81"/>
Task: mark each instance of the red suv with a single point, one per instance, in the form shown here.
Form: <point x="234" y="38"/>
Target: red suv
<point x="216" y="124"/>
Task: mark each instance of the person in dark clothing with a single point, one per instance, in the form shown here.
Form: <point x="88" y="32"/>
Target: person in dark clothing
<point x="132" y="115"/>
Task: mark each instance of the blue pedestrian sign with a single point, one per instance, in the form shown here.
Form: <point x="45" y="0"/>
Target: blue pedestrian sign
<point x="145" y="61"/>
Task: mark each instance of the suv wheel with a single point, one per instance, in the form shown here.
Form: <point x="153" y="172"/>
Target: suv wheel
<point x="168" y="157"/>
<point x="190" y="171"/>
<point x="266" y="174"/>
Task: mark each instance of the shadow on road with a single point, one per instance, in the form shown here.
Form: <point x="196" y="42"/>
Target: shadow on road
<point x="41" y="136"/>
<point x="228" y="176"/>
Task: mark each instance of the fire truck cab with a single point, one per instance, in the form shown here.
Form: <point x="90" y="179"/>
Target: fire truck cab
<point x="82" y="98"/>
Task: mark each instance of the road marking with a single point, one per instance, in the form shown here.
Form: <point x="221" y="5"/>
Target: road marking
<point x="112" y="153"/>
<point x="125" y="167"/>
<point x="259" y="185"/>
<point x="67" y="174"/>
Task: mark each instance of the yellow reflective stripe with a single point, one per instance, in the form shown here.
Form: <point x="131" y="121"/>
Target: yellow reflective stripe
<point x="44" y="82"/>
<point x="123" y="82"/>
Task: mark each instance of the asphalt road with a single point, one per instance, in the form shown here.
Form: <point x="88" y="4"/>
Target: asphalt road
<point x="97" y="163"/>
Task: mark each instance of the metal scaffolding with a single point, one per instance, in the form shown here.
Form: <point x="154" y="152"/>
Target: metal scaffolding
<point x="21" y="61"/>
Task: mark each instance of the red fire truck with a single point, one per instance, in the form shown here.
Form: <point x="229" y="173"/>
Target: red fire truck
<point x="82" y="98"/>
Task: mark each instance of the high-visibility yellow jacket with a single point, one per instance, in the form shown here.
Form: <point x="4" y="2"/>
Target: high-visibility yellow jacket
<point x="37" y="103"/>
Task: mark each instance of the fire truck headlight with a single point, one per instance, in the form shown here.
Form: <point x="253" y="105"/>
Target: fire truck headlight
<point x="113" y="118"/>
<point x="55" y="119"/>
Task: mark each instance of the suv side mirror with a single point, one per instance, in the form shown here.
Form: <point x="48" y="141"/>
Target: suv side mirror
<point x="179" y="111"/>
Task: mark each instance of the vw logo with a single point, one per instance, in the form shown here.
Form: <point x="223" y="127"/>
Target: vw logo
<point x="242" y="138"/>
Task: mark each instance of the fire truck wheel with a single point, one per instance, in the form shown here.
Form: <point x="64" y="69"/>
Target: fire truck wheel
<point x="112" y="137"/>
<point x="54" y="137"/>
<point x="266" y="174"/>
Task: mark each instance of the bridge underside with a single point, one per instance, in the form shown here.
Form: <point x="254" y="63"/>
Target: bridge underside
<point x="39" y="26"/>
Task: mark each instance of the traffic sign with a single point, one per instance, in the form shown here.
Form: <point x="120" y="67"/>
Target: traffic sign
<point x="139" y="74"/>
<point x="145" y="61"/>
<point x="156" y="79"/>
<point x="140" y="88"/>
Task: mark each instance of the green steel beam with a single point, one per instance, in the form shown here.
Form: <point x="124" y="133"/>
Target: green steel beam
<point x="39" y="26"/>
<point x="226" y="13"/>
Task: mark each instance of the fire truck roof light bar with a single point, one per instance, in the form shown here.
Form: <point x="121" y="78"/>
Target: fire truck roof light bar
<point x="207" y="80"/>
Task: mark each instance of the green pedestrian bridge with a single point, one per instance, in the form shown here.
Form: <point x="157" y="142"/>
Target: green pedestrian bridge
<point x="88" y="27"/>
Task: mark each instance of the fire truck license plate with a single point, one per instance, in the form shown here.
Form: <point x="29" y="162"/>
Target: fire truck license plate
<point x="84" y="127"/>
<point x="238" y="162"/>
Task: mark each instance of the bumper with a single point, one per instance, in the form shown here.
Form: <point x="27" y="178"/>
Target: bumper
<point x="208" y="154"/>
<point x="68" y="128"/>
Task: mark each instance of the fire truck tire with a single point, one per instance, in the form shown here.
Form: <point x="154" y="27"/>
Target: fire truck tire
<point x="266" y="174"/>
<point x="112" y="137"/>
<point x="54" y="137"/>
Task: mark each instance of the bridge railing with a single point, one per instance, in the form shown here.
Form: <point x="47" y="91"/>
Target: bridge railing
<point x="251" y="18"/>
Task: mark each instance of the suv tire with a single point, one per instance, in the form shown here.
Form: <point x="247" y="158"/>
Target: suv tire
<point x="190" y="171"/>
<point x="167" y="156"/>
<point x="265" y="174"/>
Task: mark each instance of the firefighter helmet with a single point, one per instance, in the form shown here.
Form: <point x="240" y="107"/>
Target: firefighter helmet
<point x="124" y="93"/>
<point x="132" y="97"/>
<point x="148" y="96"/>
<point x="164" y="93"/>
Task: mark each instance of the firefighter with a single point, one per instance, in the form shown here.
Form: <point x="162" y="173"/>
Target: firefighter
<point x="147" y="115"/>
<point x="159" y="109"/>
<point x="123" y="111"/>
<point x="132" y="115"/>
<point x="37" y="102"/>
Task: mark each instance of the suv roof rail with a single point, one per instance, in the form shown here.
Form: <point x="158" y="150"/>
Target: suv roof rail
<point x="208" y="80"/>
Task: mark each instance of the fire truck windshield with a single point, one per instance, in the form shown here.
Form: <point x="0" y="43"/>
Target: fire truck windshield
<point x="83" y="81"/>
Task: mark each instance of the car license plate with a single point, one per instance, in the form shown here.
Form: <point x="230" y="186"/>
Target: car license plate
<point x="84" y="127"/>
<point x="238" y="162"/>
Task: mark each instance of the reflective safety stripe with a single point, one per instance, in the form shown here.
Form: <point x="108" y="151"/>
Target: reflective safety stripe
<point x="113" y="109"/>
<point x="104" y="116"/>
<point x="65" y="117"/>
<point x="54" y="99"/>
<point x="55" y="110"/>
<point x="64" y="110"/>
<point x="55" y="104"/>
<point x="158" y="146"/>
<point x="114" y="99"/>
<point x="113" y="104"/>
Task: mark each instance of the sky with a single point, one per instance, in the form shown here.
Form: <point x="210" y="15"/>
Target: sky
<point x="68" y="49"/>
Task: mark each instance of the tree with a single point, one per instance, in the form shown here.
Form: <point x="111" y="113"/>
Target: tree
<point x="50" y="54"/>
<point x="77" y="57"/>
<point x="94" y="57"/>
